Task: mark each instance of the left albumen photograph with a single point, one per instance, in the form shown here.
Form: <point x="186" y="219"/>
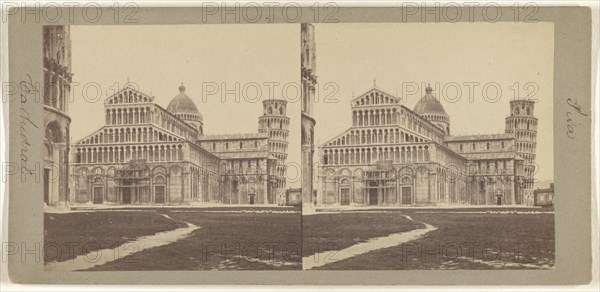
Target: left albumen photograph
<point x="172" y="147"/>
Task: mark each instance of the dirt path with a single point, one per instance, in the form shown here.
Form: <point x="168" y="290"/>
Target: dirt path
<point x="100" y="257"/>
<point x="328" y="257"/>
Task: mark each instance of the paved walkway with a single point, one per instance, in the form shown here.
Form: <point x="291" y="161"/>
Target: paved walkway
<point x="328" y="257"/>
<point x="100" y="257"/>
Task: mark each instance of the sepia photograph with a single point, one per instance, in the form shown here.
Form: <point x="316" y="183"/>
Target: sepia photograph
<point x="306" y="144"/>
<point x="437" y="150"/>
<point x="171" y="147"/>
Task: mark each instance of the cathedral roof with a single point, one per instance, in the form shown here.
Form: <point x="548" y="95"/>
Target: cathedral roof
<point x="429" y="104"/>
<point x="244" y="154"/>
<point x="232" y="136"/>
<point x="479" y="137"/>
<point x="492" y="155"/>
<point x="182" y="103"/>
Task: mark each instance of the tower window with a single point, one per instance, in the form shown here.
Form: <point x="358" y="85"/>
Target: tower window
<point x="255" y="144"/>
<point x="214" y="145"/>
<point x="487" y="146"/>
<point x="226" y="145"/>
<point x="461" y="147"/>
<point x="473" y="146"/>
<point x="240" y="145"/>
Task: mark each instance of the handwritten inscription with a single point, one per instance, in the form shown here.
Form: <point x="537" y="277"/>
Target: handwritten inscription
<point x="27" y="88"/>
<point x="574" y="115"/>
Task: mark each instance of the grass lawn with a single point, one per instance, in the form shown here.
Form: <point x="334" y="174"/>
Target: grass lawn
<point x="463" y="240"/>
<point x="227" y="240"/>
<point x="326" y="232"/>
<point x="69" y="235"/>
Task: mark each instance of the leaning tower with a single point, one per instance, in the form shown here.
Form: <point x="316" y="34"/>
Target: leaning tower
<point x="275" y="123"/>
<point x="523" y="125"/>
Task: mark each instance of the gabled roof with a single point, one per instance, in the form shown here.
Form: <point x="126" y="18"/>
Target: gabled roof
<point x="128" y="95"/>
<point x="353" y="128"/>
<point x="392" y="99"/>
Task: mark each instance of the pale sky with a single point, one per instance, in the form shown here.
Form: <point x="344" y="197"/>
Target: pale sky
<point x="352" y="55"/>
<point x="159" y="57"/>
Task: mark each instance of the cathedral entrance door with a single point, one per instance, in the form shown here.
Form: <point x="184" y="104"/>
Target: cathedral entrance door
<point x="251" y="199"/>
<point x="406" y="195"/>
<point x="126" y="196"/>
<point x="345" y="199"/>
<point x="97" y="195"/>
<point x="373" y="197"/>
<point x="159" y="194"/>
<point x="373" y="193"/>
<point x="499" y="197"/>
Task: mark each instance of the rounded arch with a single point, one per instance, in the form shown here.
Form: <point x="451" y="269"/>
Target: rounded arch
<point x="159" y="179"/>
<point x="405" y="171"/>
<point x="345" y="172"/>
<point x="344" y="181"/>
<point x="159" y="169"/>
<point x="53" y="132"/>
<point x="406" y="179"/>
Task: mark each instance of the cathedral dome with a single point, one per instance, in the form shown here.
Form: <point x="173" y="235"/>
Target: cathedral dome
<point x="429" y="104"/>
<point x="183" y="104"/>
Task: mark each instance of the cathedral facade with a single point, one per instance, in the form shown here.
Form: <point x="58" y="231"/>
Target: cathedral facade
<point x="395" y="156"/>
<point x="148" y="155"/>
